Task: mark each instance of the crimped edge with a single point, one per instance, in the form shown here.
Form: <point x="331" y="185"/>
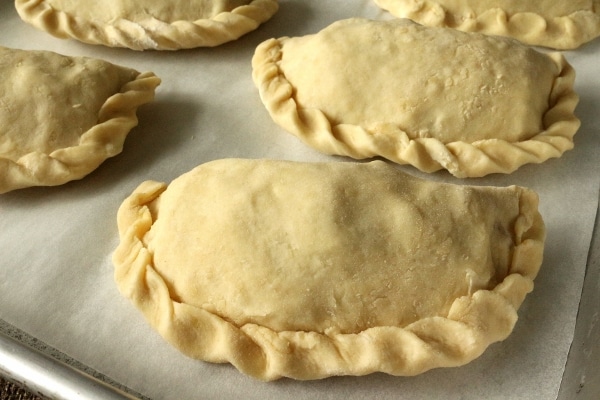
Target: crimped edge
<point x="116" y="118"/>
<point x="461" y="159"/>
<point x="152" y="34"/>
<point x="473" y="323"/>
<point x="562" y="33"/>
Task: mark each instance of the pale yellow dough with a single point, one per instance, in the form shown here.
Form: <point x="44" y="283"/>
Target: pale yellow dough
<point x="435" y="98"/>
<point x="301" y="270"/>
<point x="61" y="117"/>
<point x="557" y="24"/>
<point x="148" y="24"/>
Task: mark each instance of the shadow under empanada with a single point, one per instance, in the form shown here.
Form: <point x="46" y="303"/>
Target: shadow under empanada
<point x="163" y="127"/>
<point x="292" y="18"/>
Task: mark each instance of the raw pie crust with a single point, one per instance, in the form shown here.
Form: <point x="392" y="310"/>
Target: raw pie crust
<point x="61" y="117"/>
<point x="148" y="24"/>
<point x="557" y="24"/>
<point x="431" y="97"/>
<point x="311" y="270"/>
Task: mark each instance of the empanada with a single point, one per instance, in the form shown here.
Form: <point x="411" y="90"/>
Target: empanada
<point x="556" y="24"/>
<point x="307" y="270"/>
<point x="431" y="97"/>
<point x="61" y="117"/>
<point x="148" y="24"/>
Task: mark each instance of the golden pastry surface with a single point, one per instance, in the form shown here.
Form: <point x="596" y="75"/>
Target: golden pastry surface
<point x="431" y="97"/>
<point x="311" y="270"/>
<point x="61" y="117"/>
<point x="148" y="24"/>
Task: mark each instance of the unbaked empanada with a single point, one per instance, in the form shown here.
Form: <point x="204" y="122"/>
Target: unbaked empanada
<point x="307" y="270"/>
<point x="557" y="24"/>
<point x="431" y="97"/>
<point x="61" y="117"/>
<point x="148" y="24"/>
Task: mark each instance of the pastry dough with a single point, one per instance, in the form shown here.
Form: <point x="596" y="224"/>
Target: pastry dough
<point x="148" y="24"/>
<point x="551" y="23"/>
<point x="311" y="270"/>
<point x="61" y="117"/>
<point x="431" y="97"/>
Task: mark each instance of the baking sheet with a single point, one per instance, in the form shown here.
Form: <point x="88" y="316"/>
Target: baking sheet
<point x="56" y="243"/>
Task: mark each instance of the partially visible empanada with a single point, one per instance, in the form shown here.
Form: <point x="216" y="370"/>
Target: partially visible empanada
<point x="148" y="24"/>
<point x="308" y="270"/>
<point x="61" y="117"/>
<point x="556" y="24"/>
<point x="436" y="98"/>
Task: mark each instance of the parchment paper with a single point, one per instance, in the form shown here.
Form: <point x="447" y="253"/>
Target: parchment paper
<point x="56" y="274"/>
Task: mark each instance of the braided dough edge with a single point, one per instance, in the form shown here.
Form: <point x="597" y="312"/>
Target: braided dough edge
<point x="152" y="33"/>
<point x="562" y="33"/>
<point x="473" y="323"/>
<point x="461" y="159"/>
<point x="116" y="118"/>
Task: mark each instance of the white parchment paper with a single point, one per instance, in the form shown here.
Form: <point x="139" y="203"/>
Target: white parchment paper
<point x="56" y="274"/>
